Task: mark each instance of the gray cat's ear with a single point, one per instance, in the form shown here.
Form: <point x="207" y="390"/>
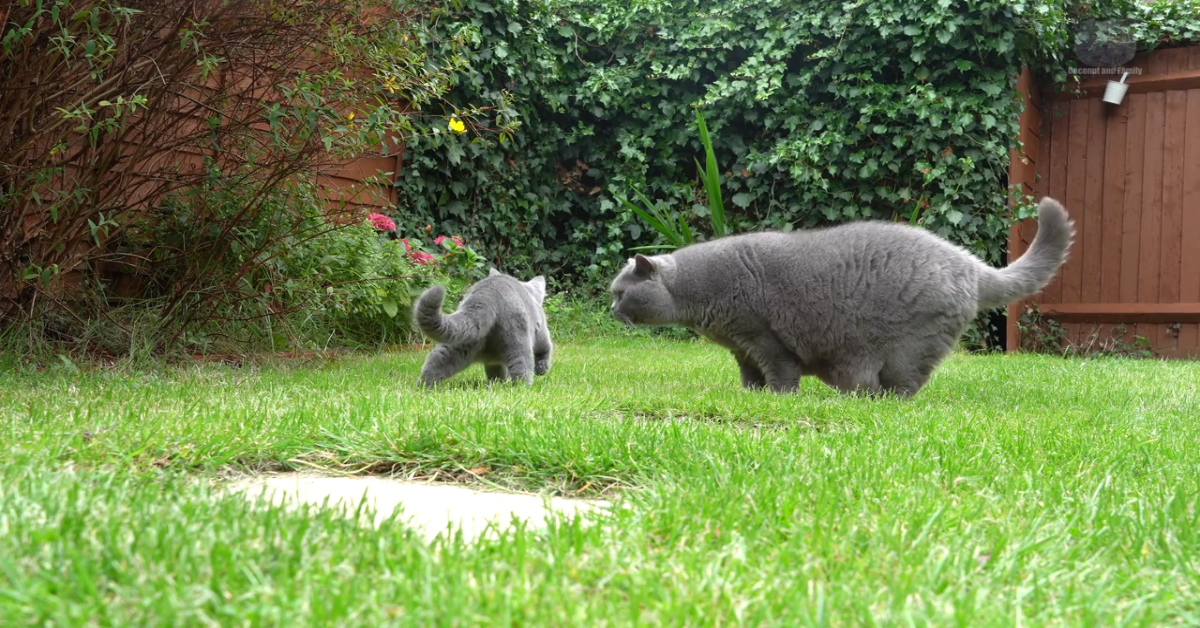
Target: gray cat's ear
<point x="492" y="272"/>
<point x="539" y="286"/>
<point x="644" y="266"/>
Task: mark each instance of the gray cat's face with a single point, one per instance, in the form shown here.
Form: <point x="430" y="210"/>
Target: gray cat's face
<point x="639" y="295"/>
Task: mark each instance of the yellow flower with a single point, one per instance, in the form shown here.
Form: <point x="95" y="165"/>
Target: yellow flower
<point x="351" y="116"/>
<point x="457" y="126"/>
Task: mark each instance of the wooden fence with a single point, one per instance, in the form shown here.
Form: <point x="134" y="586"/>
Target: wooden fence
<point x="1129" y="175"/>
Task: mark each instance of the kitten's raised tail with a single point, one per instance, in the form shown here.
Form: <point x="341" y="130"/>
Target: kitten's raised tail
<point x="1035" y="269"/>
<point x="462" y="326"/>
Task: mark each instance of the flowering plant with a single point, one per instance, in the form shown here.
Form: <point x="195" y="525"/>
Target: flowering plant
<point x="417" y="255"/>
<point x="382" y="222"/>
<point x="450" y="255"/>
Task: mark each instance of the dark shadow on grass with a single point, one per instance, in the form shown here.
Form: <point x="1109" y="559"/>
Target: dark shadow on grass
<point x="741" y="423"/>
<point x="468" y="384"/>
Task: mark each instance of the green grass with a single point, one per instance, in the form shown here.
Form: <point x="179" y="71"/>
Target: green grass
<point x="1012" y="491"/>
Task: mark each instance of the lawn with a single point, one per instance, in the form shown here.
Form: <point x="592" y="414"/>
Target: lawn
<point x="1013" y="490"/>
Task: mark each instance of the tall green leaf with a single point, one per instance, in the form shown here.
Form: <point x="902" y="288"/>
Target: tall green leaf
<point x="712" y="180"/>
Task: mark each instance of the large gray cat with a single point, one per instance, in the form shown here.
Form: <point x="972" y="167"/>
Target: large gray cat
<point x="867" y="306"/>
<point x="500" y="323"/>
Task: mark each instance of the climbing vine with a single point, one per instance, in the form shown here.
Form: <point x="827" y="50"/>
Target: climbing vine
<point x="820" y="112"/>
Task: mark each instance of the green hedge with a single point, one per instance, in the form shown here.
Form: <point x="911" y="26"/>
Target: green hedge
<point x="821" y="112"/>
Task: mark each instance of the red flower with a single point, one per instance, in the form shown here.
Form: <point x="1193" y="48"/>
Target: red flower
<point x="438" y="240"/>
<point x="381" y="222"/>
<point x="407" y="246"/>
<point x="421" y="257"/>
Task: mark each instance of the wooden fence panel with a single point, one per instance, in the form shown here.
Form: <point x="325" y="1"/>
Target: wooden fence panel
<point x="1129" y="175"/>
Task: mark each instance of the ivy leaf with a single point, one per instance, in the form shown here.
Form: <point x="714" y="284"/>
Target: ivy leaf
<point x="454" y="152"/>
<point x="954" y="217"/>
<point x="742" y="199"/>
<point x="991" y="89"/>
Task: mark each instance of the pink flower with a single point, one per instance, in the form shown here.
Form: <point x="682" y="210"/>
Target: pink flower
<point x="381" y="222"/>
<point x="421" y="257"/>
<point x="407" y="246"/>
<point x="438" y="240"/>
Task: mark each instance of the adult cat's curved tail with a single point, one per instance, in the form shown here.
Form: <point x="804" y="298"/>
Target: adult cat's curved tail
<point x="465" y="325"/>
<point x="1037" y="266"/>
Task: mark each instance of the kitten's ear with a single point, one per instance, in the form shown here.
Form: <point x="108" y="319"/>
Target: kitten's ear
<point x="539" y="286"/>
<point x="644" y="266"/>
<point x="492" y="272"/>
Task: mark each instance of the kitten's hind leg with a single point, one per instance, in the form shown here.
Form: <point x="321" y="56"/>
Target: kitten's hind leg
<point x="519" y="362"/>
<point x="542" y="348"/>
<point x="444" y="362"/>
<point x="495" y="372"/>
<point x="541" y="363"/>
<point x="752" y="376"/>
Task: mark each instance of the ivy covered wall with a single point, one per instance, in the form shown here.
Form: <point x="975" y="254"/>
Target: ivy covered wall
<point x="821" y="112"/>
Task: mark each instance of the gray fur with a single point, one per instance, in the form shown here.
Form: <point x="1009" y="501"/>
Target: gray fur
<point x="500" y="324"/>
<point x="867" y="306"/>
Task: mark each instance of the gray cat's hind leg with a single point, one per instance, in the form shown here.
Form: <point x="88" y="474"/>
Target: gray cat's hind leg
<point x="442" y="363"/>
<point x="752" y="376"/>
<point x="855" y="377"/>
<point x="495" y="372"/>
<point x="905" y="383"/>
<point x="906" y="372"/>
<point x="779" y="366"/>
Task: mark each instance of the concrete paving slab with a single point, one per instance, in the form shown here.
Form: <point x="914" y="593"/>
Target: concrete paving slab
<point x="431" y="508"/>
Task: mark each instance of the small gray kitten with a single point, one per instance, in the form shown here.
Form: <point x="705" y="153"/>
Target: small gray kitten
<point x="867" y="306"/>
<point x="500" y="323"/>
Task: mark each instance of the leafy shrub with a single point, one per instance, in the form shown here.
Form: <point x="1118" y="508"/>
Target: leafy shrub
<point x="292" y="273"/>
<point x="110" y="107"/>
